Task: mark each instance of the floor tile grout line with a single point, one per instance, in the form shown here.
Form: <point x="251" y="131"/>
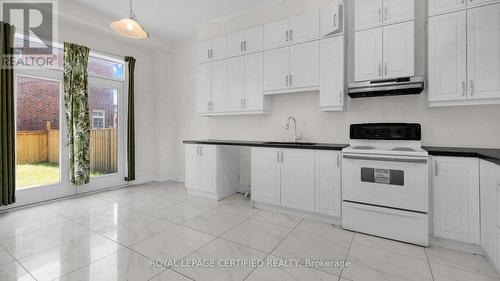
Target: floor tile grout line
<point x="15" y="260"/>
<point x="429" y="264"/>
<point x="284" y="238"/>
<point x="347" y="256"/>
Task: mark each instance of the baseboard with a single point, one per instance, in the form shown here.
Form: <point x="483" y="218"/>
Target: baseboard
<point x="456" y="245"/>
<point x="171" y="177"/>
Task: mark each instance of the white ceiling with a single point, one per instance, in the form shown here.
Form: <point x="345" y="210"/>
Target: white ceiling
<point x="175" y="19"/>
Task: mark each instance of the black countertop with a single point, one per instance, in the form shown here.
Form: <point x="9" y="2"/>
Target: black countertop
<point x="489" y="154"/>
<point x="316" y="146"/>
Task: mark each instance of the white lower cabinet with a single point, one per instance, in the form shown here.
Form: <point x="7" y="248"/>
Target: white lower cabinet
<point x="488" y="208"/>
<point x="211" y="171"/>
<point x="455" y="185"/>
<point x="328" y="184"/>
<point x="304" y="180"/>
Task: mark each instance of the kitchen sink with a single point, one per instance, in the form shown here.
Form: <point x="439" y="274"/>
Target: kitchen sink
<point x="291" y="143"/>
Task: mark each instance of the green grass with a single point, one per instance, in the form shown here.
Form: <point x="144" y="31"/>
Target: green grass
<point x="30" y="175"/>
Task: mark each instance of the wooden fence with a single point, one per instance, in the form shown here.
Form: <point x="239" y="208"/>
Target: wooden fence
<point x="43" y="146"/>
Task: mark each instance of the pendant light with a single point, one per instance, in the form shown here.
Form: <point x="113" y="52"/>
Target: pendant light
<point x="130" y="27"/>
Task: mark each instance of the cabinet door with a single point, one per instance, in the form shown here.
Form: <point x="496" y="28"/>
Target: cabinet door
<point x="484" y="52"/>
<point x="266" y="176"/>
<point x="208" y="168"/>
<point x="219" y="86"/>
<point x="488" y="207"/>
<point x="304" y="65"/>
<point x="399" y="50"/>
<point x="456" y="199"/>
<point x="276" y="68"/>
<point x="254" y="40"/>
<point x="367" y="14"/>
<point x="204" y="51"/>
<point x="331" y="18"/>
<point x="398" y="10"/>
<point x="203" y="87"/>
<point x="219" y="48"/>
<point x="304" y="27"/>
<point x="447" y="57"/>
<point x="297" y="179"/>
<point x="472" y="3"/>
<point x="192" y="167"/>
<point x="328" y="198"/>
<point x="368" y="54"/>
<point x="254" y="79"/>
<point x="332" y="87"/>
<point x="275" y="34"/>
<point x="441" y="6"/>
<point x="235" y="44"/>
<point x="235" y="83"/>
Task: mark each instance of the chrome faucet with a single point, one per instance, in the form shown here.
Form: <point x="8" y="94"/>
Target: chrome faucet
<point x="287" y="126"/>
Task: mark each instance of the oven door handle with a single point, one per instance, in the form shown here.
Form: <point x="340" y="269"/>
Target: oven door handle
<point x="385" y="159"/>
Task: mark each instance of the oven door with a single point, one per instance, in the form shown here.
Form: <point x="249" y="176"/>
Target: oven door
<point x="398" y="182"/>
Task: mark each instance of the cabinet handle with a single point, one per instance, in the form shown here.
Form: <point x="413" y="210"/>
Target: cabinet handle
<point x="282" y="157"/>
<point x="379" y="14"/>
<point x="386" y="12"/>
<point x="244" y="103"/>
<point x="291" y="80"/>
<point x="287" y="35"/>
<point x="464" y="90"/>
<point x="338" y="160"/>
<point x="385" y="69"/>
<point x="208" y="53"/>
<point x="335" y="20"/>
<point x="471" y="87"/>
<point x="278" y="157"/>
<point x="241" y="46"/>
<point x="291" y="35"/>
<point x="245" y="45"/>
<point x="286" y="80"/>
<point x="380" y="69"/>
<point x="436" y="171"/>
<point x="341" y="95"/>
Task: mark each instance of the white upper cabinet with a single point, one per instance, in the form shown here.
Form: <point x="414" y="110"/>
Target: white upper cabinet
<point x="328" y="186"/>
<point x="254" y="82"/>
<point x="235" y="83"/>
<point x="398" y="10"/>
<point x="203" y="86"/>
<point x="244" y="42"/>
<point x="219" y="86"/>
<point x="375" y="13"/>
<point x="276" y="34"/>
<point x="298" y="29"/>
<point x="213" y="49"/>
<point x="297" y="179"/>
<point x="332" y="18"/>
<point x="332" y="67"/>
<point x="443" y="6"/>
<point x="304" y="27"/>
<point x="276" y="69"/>
<point x="440" y="6"/>
<point x="398" y="50"/>
<point x="235" y="42"/>
<point x="447" y="60"/>
<point x="304" y="65"/>
<point x="455" y="186"/>
<point x="368" y="54"/>
<point x="368" y="14"/>
<point x="484" y="52"/>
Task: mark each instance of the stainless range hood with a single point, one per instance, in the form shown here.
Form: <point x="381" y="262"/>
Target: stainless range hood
<point x="389" y="87"/>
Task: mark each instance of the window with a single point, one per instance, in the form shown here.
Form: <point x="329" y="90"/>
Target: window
<point x="98" y="119"/>
<point x="105" y="68"/>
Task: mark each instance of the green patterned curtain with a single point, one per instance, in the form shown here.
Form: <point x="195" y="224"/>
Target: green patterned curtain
<point x="7" y="116"/>
<point x="76" y="101"/>
<point x="131" y="121"/>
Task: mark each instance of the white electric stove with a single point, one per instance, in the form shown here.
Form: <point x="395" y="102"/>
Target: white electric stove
<point x="385" y="182"/>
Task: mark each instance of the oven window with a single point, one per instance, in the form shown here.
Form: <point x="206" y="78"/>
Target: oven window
<point x="383" y="176"/>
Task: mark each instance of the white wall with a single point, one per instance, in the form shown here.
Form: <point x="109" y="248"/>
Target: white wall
<point x="471" y="126"/>
<point x="86" y="27"/>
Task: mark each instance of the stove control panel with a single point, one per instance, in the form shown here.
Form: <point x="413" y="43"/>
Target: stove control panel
<point x="386" y="131"/>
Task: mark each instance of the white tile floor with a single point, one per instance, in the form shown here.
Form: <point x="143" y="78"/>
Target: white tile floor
<point x="114" y="235"/>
